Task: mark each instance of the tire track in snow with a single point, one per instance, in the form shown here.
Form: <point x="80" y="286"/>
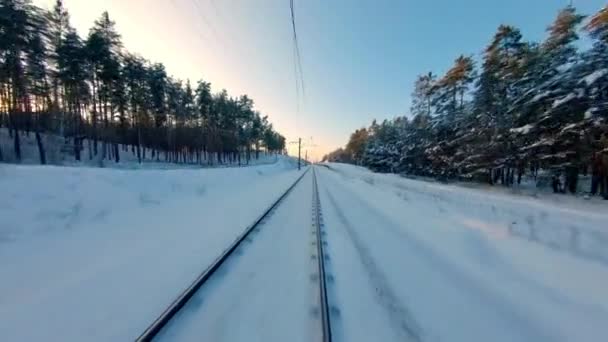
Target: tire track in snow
<point x="399" y="316"/>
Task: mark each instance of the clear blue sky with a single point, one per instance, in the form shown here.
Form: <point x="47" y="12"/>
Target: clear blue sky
<point x="360" y="57"/>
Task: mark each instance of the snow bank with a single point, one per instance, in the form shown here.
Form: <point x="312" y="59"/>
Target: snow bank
<point x="96" y="254"/>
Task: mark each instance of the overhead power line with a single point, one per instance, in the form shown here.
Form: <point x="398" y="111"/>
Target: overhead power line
<point x="203" y="37"/>
<point x="299" y="73"/>
<point x="203" y="17"/>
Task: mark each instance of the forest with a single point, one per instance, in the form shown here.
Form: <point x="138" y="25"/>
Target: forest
<point x="524" y="107"/>
<point x="55" y="82"/>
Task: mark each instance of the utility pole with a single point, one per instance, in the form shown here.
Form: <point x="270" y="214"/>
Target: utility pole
<point x="299" y="142"/>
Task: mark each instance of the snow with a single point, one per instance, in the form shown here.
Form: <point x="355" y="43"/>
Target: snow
<point x="564" y="99"/>
<point x="91" y="254"/>
<point x="97" y="254"/>
<point x="524" y="268"/>
<point x="265" y="287"/>
<point x="563" y="68"/>
<point x="540" y="96"/>
<point x="568" y="127"/>
<point x="542" y="142"/>
<point x="594" y="76"/>
<point x="523" y="129"/>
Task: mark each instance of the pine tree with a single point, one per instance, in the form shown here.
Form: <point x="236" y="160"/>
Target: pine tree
<point x="19" y="27"/>
<point x="51" y="81"/>
<point x="103" y="46"/>
<point x="423" y="95"/>
<point x="59" y="28"/>
<point x="36" y="76"/>
<point x="598" y="25"/>
<point x="72" y="76"/>
<point x="594" y="68"/>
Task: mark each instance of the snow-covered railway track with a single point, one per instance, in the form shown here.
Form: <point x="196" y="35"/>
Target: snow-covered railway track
<point x="323" y="301"/>
<point x="162" y="321"/>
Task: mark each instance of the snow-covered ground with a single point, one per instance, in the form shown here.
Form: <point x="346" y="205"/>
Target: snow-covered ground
<point x="422" y="261"/>
<point x="97" y="254"/>
<point x="264" y="289"/>
<point x="91" y="254"/>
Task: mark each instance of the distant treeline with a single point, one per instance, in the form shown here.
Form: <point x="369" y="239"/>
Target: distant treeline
<point x="528" y="106"/>
<point x="53" y="81"/>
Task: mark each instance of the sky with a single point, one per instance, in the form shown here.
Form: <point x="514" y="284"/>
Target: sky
<point x="359" y="57"/>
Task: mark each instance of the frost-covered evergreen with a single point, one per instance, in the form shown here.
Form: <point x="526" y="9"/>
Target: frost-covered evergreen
<point x="533" y="106"/>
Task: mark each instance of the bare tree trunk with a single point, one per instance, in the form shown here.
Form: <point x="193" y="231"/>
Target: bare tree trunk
<point x="13" y="120"/>
<point x="116" y="153"/>
<point x="138" y="143"/>
<point x="40" y="148"/>
<point x="17" y="145"/>
<point x="77" y="145"/>
<point x="94" y="113"/>
<point x="138" y="153"/>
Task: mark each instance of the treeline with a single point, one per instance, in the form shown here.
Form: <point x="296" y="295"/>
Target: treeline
<point x="528" y="106"/>
<point x="53" y="81"/>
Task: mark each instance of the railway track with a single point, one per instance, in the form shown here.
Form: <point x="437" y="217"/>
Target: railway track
<point x="180" y="302"/>
<point x="317" y="221"/>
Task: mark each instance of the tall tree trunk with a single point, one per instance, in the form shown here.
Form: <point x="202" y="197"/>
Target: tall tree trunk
<point x="78" y="141"/>
<point x="116" y="153"/>
<point x="106" y="128"/>
<point x="17" y="145"/>
<point x="77" y="145"/>
<point x="40" y="148"/>
<point x="95" y="112"/>
<point x="138" y="142"/>
<point x="13" y="119"/>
